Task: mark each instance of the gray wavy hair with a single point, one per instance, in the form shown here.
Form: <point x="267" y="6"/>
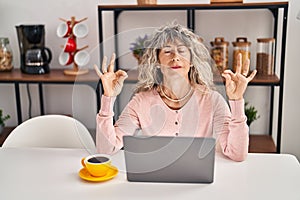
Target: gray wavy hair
<point x="149" y="74"/>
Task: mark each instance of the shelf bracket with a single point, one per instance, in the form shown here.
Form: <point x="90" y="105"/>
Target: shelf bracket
<point x="117" y="14"/>
<point x="274" y="12"/>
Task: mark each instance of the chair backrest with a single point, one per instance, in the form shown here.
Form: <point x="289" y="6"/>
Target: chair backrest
<point x="56" y="131"/>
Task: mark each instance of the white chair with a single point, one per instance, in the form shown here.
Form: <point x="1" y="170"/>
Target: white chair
<point x="56" y="131"/>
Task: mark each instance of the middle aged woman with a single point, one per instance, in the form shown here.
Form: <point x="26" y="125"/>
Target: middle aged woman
<point x="175" y="96"/>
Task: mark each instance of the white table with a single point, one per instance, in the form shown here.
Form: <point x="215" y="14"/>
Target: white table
<point x="36" y="173"/>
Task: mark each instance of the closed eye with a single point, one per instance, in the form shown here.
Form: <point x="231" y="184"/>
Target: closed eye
<point x="182" y="49"/>
<point x="167" y="50"/>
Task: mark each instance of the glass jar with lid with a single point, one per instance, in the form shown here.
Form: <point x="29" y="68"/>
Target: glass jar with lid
<point x="6" y="55"/>
<point x="219" y="52"/>
<point x="265" y="56"/>
<point x="241" y="45"/>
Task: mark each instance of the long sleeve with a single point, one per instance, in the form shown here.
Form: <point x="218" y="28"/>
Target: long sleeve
<point x="109" y="137"/>
<point x="232" y="129"/>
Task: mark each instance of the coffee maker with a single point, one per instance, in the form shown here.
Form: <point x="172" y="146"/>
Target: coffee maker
<point x="35" y="57"/>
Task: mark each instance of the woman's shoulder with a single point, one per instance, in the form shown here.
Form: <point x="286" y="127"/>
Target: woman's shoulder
<point x="145" y="95"/>
<point x="205" y="92"/>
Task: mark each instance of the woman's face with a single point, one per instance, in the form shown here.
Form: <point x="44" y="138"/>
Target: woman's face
<point x="175" y="59"/>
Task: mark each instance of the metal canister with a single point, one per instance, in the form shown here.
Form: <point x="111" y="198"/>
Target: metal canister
<point x="219" y="52"/>
<point x="240" y="46"/>
<point x="6" y="55"/>
<point x="265" y="56"/>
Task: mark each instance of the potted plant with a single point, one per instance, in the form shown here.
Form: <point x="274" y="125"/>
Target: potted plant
<point x="251" y="113"/>
<point x="138" y="47"/>
<point x="2" y="120"/>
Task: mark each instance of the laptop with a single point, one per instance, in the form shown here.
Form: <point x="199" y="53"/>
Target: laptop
<point x="169" y="159"/>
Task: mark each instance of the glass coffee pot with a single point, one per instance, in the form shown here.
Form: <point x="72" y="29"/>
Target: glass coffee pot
<point x="37" y="57"/>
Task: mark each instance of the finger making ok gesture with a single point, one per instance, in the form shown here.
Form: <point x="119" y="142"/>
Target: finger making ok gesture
<point x="236" y="83"/>
<point x="112" y="81"/>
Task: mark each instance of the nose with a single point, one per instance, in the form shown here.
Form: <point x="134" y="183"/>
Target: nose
<point x="175" y="57"/>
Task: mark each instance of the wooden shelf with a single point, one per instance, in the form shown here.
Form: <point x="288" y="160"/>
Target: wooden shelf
<point x="55" y="75"/>
<point x="232" y="5"/>
<point x="261" y="144"/>
<point x="258" y="80"/>
<point x="4" y="134"/>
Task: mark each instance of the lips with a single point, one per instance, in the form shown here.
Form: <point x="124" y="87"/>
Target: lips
<point x="176" y="67"/>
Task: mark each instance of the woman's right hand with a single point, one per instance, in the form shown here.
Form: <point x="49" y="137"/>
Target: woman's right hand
<point x="112" y="81"/>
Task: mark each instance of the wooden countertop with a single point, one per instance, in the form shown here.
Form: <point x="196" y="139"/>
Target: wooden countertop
<point x="55" y="75"/>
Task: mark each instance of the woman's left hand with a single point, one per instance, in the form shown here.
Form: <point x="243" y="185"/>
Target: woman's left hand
<point x="236" y="83"/>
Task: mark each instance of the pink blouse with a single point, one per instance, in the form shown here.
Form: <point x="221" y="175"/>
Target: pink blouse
<point x="206" y="114"/>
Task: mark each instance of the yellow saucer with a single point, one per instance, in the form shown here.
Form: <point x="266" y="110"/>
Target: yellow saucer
<point x="85" y="175"/>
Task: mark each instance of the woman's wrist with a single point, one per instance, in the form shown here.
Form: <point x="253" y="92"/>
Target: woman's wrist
<point x="107" y="94"/>
<point x="236" y="99"/>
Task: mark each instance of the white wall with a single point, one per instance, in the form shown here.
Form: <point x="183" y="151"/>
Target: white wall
<point x="291" y="108"/>
<point x="80" y="100"/>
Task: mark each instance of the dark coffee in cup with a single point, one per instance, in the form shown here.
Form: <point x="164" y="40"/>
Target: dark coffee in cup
<point x="97" y="164"/>
<point x="98" y="160"/>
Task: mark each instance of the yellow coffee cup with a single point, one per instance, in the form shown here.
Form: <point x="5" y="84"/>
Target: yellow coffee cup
<point x="97" y="164"/>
